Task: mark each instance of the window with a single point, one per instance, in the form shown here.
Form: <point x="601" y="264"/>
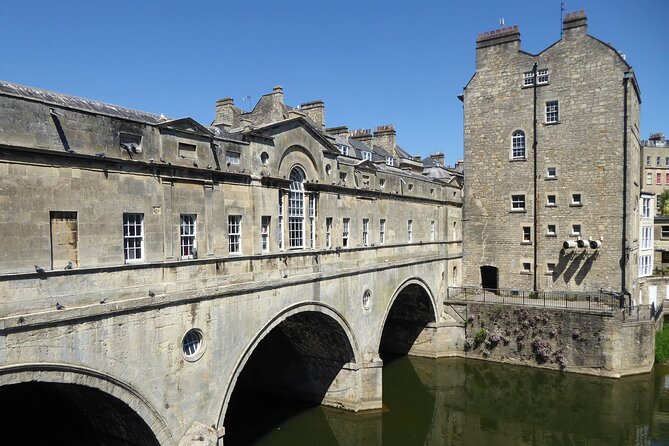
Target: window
<point x="382" y="182"/>
<point x="551" y="231"/>
<point x="365" y="181"/>
<point x="665" y="232"/>
<point x="382" y="231"/>
<point x="518" y="145"/>
<point x="365" y="232"/>
<point x="390" y="161"/>
<point x="130" y="143"/>
<point x="576" y="200"/>
<point x="410" y="187"/>
<point x="432" y="191"/>
<point x="234" y="234"/>
<point x="264" y="232"/>
<point x="527" y="267"/>
<point x="575" y="229"/>
<point x="432" y="228"/>
<point x="312" y="220"/>
<point x="658" y="178"/>
<point x="551" y="172"/>
<point x="191" y="345"/>
<point x="646" y="238"/>
<point x="552" y="112"/>
<point x="649" y="178"/>
<point x="551" y="200"/>
<point x="188" y="151"/>
<point x="527" y="234"/>
<point x="344" y="232"/>
<point x="550" y="268"/>
<point x="342" y="177"/>
<point x="296" y="210"/>
<point x="657" y="161"/>
<point x="279" y="237"/>
<point x="648" y="160"/>
<point x="666" y="161"/>
<point x="455" y="275"/>
<point x="366" y="155"/>
<point x="64" y="240"/>
<point x="133" y="237"/>
<point x="645" y="266"/>
<point x="409" y="231"/>
<point x="328" y="232"/>
<point x="518" y="202"/>
<point x="343" y="149"/>
<point x="187" y="232"/>
<point x="666" y="178"/>
<point x="232" y="158"/>
<point x="645" y="207"/>
<point x="542" y="76"/>
<point x="367" y="300"/>
<point x="528" y="78"/>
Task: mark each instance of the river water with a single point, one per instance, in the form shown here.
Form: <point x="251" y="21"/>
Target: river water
<point x="467" y="402"/>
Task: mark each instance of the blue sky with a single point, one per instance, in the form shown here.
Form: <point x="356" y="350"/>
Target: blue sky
<point x="372" y="62"/>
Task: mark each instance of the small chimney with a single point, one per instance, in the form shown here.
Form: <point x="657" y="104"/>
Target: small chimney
<point x="341" y="131"/>
<point x="506" y="39"/>
<point x="278" y="90"/>
<point x="575" y="22"/>
<point x="225" y="113"/>
<point x="315" y="111"/>
<point x="438" y="158"/>
<point x="658" y="136"/>
<point x="385" y="137"/>
<point x="363" y="135"/>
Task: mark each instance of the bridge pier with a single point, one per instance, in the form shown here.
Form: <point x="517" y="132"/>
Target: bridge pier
<point x="439" y="340"/>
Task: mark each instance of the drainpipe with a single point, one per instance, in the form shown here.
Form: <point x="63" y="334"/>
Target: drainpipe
<point x="534" y="155"/>
<point x="626" y="77"/>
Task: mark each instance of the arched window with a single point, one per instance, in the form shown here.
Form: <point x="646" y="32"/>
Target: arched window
<point x="518" y="145"/>
<point x="296" y="209"/>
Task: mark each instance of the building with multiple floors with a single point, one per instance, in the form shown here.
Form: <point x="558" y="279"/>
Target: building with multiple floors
<point x="551" y="178"/>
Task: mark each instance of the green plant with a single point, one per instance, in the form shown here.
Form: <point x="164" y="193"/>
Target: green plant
<point x="662" y="346"/>
<point x="663" y="202"/>
<point x="480" y="336"/>
<point x="533" y="295"/>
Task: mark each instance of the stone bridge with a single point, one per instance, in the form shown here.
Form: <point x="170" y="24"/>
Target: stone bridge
<point x="162" y="353"/>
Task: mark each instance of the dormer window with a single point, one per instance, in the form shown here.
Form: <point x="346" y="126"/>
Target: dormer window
<point x="131" y="143"/>
<point x="343" y="149"/>
<point x="366" y="155"/>
<point x="390" y="161"/>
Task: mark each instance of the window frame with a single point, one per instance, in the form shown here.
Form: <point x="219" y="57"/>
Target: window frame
<point x="517" y="205"/>
<point x="382" y="231"/>
<point x="518" y="145"/>
<point x="127" y="237"/>
<point x="188" y="240"/>
<point x="549" y="232"/>
<point x="345" y="232"/>
<point x="234" y="234"/>
<point x="365" y="232"/>
<point x="548" y="200"/>
<point x="328" y="232"/>
<point x="296" y="210"/>
<point x="552" y="112"/>
<point x="527" y="235"/>
<point x="265" y="228"/>
<point x="409" y="231"/>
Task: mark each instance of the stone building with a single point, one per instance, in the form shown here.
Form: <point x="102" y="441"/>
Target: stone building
<point x="153" y="268"/>
<point x="551" y="184"/>
<point x="655" y="177"/>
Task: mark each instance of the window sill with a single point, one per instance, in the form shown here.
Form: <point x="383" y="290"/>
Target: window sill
<point x="552" y="123"/>
<point x="575" y="234"/>
<point x="551" y="205"/>
<point x="551" y="235"/>
<point x="134" y="262"/>
<point x="526" y="243"/>
<point x="517" y="160"/>
<point x="517" y="211"/>
<point x="576" y="205"/>
<point x="550" y="178"/>
<point x="526" y="273"/>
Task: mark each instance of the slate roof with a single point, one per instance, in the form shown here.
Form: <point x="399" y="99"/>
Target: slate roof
<point x="65" y="101"/>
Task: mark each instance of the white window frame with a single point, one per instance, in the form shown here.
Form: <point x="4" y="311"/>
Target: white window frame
<point x="516" y="203"/>
<point x="328" y="232"/>
<point x="390" y="161"/>
<point x="296" y="210"/>
<point x="366" y="155"/>
<point x="232" y="158"/>
<point x="518" y="145"/>
<point x="542" y="76"/>
<point x="343" y="149"/>
<point x="552" y="112"/>
<point x="646" y="237"/>
<point x="382" y="231"/>
<point x="649" y="178"/>
<point x="188" y="235"/>
<point x="345" y="232"/>
<point x="312" y="221"/>
<point x="549" y="202"/>
<point x="528" y="78"/>
<point x="576" y="229"/>
<point x="410" y="231"/>
<point x="527" y="267"/>
<point x="645" y="207"/>
<point x="265" y="224"/>
<point x="645" y="265"/>
<point x="280" y="225"/>
<point x="432" y="230"/>
<point x="365" y="232"/>
<point x="551" y="172"/>
<point x="551" y="230"/>
<point x="234" y="234"/>
<point x="577" y="199"/>
<point x="527" y="235"/>
<point x="132" y="242"/>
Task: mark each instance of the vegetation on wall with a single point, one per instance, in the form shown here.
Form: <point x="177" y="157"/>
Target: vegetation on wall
<point x="663" y="202"/>
<point x="662" y="345"/>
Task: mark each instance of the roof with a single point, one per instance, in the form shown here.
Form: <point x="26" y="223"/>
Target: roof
<point x="73" y="102"/>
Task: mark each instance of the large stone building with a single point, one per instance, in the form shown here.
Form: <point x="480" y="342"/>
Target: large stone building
<point x="655" y="177"/>
<point x="153" y="269"/>
<point x="552" y="169"/>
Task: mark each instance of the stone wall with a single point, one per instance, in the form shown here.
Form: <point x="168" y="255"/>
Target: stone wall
<point x="598" y="343"/>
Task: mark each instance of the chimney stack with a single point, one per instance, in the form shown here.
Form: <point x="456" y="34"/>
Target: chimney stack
<point x="362" y="135"/>
<point x="225" y="113"/>
<point x="384" y="136"/>
<point x="341" y="131"/>
<point x="574" y="22"/>
<point x="315" y="110"/>
<point x="438" y="158"/>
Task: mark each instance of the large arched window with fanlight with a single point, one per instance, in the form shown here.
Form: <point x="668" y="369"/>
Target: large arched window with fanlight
<point x="518" y="145"/>
<point x="296" y="209"/>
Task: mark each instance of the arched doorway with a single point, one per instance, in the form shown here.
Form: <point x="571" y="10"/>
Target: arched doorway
<point x="71" y="414"/>
<point x="489" y="278"/>
<point x="298" y="364"/>
<point x="410" y="312"/>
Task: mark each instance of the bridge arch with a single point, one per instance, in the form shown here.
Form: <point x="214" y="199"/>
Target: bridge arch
<point x="409" y="310"/>
<point x="305" y="327"/>
<point x="120" y="411"/>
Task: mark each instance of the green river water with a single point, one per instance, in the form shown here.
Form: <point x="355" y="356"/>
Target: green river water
<point x="468" y="402"/>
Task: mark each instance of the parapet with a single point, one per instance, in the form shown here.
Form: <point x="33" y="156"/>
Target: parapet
<point x="498" y="36"/>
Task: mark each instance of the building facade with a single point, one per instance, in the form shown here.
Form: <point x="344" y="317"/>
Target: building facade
<point x="551" y="180"/>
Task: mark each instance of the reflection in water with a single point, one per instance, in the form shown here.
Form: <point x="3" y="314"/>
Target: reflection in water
<point x="465" y="402"/>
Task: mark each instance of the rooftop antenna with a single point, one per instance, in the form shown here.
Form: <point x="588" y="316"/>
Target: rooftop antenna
<point x="562" y="6"/>
<point x="247" y="99"/>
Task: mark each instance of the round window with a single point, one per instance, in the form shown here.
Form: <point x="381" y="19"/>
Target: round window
<point x="328" y="169"/>
<point x="367" y="300"/>
<point x="264" y="157"/>
<point x="192" y="345"/>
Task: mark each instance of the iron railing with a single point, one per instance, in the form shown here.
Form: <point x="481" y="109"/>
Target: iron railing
<point x="598" y="300"/>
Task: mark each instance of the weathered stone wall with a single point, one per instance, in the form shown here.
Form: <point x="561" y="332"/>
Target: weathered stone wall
<point x="585" y="147"/>
<point x="574" y="341"/>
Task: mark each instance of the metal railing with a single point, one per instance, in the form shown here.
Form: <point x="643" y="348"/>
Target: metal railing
<point x="598" y="300"/>
<point x="644" y="312"/>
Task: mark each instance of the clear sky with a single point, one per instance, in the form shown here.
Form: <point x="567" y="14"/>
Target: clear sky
<point x="372" y="62"/>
